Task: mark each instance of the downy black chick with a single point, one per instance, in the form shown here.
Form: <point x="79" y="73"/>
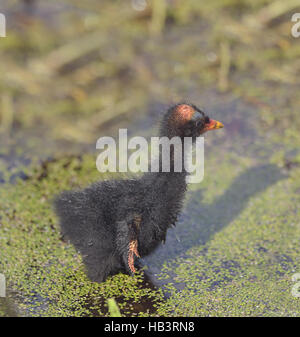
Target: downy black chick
<point x="114" y="222"/>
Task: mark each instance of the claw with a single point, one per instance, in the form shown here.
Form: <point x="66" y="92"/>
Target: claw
<point x="131" y="262"/>
<point x="132" y="251"/>
<point x="133" y="247"/>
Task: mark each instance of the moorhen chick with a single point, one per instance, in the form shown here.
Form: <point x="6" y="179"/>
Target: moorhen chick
<point x="114" y="222"/>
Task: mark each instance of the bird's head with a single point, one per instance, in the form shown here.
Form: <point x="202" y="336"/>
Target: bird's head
<point x="186" y="120"/>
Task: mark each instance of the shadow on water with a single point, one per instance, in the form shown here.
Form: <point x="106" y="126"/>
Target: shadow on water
<point x="199" y="222"/>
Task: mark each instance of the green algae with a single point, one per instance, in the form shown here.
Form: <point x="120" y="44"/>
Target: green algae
<point x="244" y="268"/>
<point x="238" y="253"/>
<point x="45" y="274"/>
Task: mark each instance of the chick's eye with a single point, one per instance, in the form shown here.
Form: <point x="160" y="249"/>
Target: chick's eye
<point x="207" y="120"/>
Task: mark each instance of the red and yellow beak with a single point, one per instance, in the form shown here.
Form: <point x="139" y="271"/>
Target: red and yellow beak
<point x="213" y="125"/>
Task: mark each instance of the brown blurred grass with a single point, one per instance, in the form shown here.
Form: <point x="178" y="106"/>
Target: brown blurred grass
<point x="72" y="68"/>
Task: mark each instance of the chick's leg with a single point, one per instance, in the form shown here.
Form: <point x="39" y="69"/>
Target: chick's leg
<point x="134" y="228"/>
<point x="132" y="252"/>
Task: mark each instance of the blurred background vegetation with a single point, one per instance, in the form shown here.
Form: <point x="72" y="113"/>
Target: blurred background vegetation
<point x="73" y="70"/>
